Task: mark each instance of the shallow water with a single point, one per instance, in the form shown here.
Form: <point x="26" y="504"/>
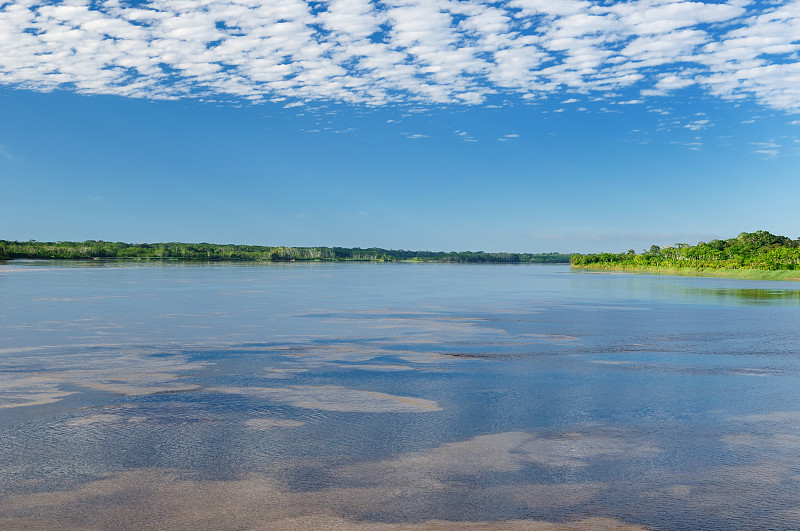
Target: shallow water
<point x="365" y="396"/>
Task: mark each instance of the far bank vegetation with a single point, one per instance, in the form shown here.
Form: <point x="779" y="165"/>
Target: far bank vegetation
<point x="98" y="249"/>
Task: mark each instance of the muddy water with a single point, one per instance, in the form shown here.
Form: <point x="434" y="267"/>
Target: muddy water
<point x="395" y="396"/>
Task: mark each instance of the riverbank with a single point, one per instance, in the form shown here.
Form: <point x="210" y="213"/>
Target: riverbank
<point x="213" y="252"/>
<point x="745" y="274"/>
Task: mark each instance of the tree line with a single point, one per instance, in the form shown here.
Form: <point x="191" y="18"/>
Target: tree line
<point x="98" y="249"/>
<point x="749" y="250"/>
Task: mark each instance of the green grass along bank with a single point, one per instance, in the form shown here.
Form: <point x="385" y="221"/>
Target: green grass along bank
<point x="745" y="274"/>
<point x="756" y="255"/>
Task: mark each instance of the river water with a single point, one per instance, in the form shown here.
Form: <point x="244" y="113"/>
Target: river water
<point x="394" y="396"/>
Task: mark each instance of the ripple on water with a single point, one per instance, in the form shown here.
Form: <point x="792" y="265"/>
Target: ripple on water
<point x="173" y="499"/>
<point x="335" y="398"/>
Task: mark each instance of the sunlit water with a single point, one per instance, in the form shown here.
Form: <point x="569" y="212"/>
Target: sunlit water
<point x="310" y="396"/>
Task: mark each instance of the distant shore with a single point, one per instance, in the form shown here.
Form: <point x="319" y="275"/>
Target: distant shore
<point x="212" y="252"/>
<point x="745" y="274"/>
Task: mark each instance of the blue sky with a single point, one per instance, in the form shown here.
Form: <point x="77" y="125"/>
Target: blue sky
<point x="524" y="125"/>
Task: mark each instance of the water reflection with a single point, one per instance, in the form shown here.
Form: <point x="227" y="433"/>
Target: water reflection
<point x="743" y="295"/>
<point x="395" y="397"/>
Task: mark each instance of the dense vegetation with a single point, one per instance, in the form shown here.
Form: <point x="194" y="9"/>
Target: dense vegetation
<point x="95" y="249"/>
<point x="758" y="250"/>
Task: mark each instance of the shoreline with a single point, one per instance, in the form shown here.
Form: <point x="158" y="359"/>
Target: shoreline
<point x="213" y="252"/>
<point x="743" y="274"/>
<point x="173" y="259"/>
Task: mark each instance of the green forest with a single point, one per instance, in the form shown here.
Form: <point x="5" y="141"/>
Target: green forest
<point x="98" y="249"/>
<point x="758" y="250"/>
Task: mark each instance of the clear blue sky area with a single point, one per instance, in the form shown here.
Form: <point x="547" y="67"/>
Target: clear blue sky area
<point x="528" y="126"/>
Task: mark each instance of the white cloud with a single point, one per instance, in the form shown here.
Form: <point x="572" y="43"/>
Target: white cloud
<point x="768" y="149"/>
<point x="694" y="146"/>
<point x="697" y="125"/>
<point x="768" y="152"/>
<point x="465" y="137"/>
<point x="426" y="51"/>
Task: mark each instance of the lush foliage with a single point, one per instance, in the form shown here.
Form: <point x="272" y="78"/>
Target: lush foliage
<point x="94" y="249"/>
<point x="750" y="250"/>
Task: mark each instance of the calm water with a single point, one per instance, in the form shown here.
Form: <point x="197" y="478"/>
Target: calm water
<point x="310" y="396"/>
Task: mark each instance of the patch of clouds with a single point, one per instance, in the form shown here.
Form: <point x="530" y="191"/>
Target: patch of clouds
<point x="638" y="136"/>
<point x="402" y="51"/>
<point x="465" y="137"/>
<point x="698" y="125"/>
<point x="694" y="145"/>
<point x="767" y="149"/>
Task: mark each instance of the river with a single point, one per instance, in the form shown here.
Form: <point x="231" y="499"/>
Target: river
<point x="394" y="396"/>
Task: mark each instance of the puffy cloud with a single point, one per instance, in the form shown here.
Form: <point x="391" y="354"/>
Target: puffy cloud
<point x="377" y="53"/>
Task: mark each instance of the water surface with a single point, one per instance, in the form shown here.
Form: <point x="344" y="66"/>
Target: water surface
<point x="388" y="396"/>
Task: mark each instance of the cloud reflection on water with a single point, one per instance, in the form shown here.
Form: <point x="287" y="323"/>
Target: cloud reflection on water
<point x="180" y="500"/>
<point x="334" y="398"/>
